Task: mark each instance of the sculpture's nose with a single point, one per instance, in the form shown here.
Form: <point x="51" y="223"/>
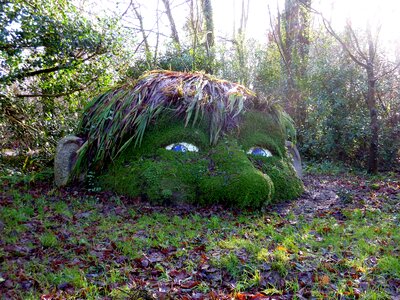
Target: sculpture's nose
<point x="232" y="179"/>
<point x="249" y="188"/>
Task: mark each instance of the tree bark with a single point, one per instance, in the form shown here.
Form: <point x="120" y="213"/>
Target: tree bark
<point x="144" y="35"/>
<point x="209" y="28"/>
<point x="374" y="127"/>
<point x="239" y="40"/>
<point x="174" y="32"/>
<point x="293" y="46"/>
<point x="371" y="103"/>
<point x="194" y="25"/>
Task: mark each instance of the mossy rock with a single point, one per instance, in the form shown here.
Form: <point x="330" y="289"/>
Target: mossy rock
<point x="223" y="173"/>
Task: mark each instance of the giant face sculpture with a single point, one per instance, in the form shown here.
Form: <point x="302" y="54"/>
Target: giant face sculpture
<point x="179" y="137"/>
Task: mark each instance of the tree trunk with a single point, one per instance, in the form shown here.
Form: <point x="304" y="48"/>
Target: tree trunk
<point x="144" y="35"/>
<point x="195" y="27"/>
<point x="374" y="126"/>
<point x="209" y="27"/>
<point x="367" y="61"/>
<point x="294" y="48"/>
<point x="371" y="103"/>
<point x="174" y="32"/>
<point x="239" y="40"/>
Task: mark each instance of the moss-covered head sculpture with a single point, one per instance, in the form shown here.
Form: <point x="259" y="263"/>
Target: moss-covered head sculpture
<point x="188" y="137"/>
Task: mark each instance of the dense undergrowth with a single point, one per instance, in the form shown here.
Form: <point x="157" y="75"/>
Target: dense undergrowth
<point x="75" y="243"/>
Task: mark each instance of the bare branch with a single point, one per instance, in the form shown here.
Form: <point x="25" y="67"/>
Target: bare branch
<point x="278" y="41"/>
<point x="146" y="30"/>
<point x="81" y="88"/>
<point x="244" y="17"/>
<point x="49" y="70"/>
<point x="48" y="95"/>
<point x="158" y="35"/>
<point x="376" y="38"/>
<point x="126" y="11"/>
<point x="174" y="32"/>
<point x="233" y="41"/>
<point x="140" y="18"/>
<point x="381" y="102"/>
<point x="388" y="72"/>
<point x="329" y="28"/>
<point x="357" y="44"/>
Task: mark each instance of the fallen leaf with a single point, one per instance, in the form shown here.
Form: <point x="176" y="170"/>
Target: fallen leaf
<point x="324" y="280"/>
<point x="326" y="229"/>
<point x="189" y="284"/>
<point x="281" y="248"/>
<point x="240" y="296"/>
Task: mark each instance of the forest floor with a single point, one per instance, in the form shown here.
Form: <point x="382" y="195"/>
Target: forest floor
<point x="340" y="240"/>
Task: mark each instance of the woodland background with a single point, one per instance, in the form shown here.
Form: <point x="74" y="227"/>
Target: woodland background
<point x="339" y="240"/>
<point x="341" y="87"/>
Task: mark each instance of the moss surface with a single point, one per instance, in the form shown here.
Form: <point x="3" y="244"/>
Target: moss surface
<point x="263" y="130"/>
<point x="287" y="184"/>
<point x="232" y="179"/>
<point x="223" y="173"/>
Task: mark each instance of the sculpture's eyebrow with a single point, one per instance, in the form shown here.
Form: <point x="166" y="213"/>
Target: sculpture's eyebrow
<point x="169" y="130"/>
<point x="262" y="140"/>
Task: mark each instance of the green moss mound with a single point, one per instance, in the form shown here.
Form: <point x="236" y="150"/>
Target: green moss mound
<point x="217" y="174"/>
<point x="263" y="130"/>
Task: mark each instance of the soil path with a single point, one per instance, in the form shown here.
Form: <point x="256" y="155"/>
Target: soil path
<point x="329" y="194"/>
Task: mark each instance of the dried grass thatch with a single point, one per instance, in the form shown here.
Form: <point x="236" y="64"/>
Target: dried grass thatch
<point x="119" y="117"/>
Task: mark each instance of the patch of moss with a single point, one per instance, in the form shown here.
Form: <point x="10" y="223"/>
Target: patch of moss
<point x="287" y="184"/>
<point x="157" y="174"/>
<point x="167" y="129"/>
<point x="166" y="177"/>
<point x="232" y="179"/>
<point x="263" y="130"/>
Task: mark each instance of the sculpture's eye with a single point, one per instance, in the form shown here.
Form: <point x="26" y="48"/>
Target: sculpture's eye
<point x="182" y="147"/>
<point x="257" y="151"/>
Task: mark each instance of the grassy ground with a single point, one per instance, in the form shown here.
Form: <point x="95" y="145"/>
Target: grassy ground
<point x="340" y="240"/>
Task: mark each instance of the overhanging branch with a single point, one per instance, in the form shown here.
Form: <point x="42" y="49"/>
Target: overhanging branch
<point x="329" y="28"/>
<point x="50" y="70"/>
<point x="388" y="72"/>
<point x="357" y="44"/>
<point x="81" y="88"/>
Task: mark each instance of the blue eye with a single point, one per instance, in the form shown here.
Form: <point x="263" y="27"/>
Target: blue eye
<point x="179" y="148"/>
<point x="257" y="151"/>
<point x="182" y="147"/>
